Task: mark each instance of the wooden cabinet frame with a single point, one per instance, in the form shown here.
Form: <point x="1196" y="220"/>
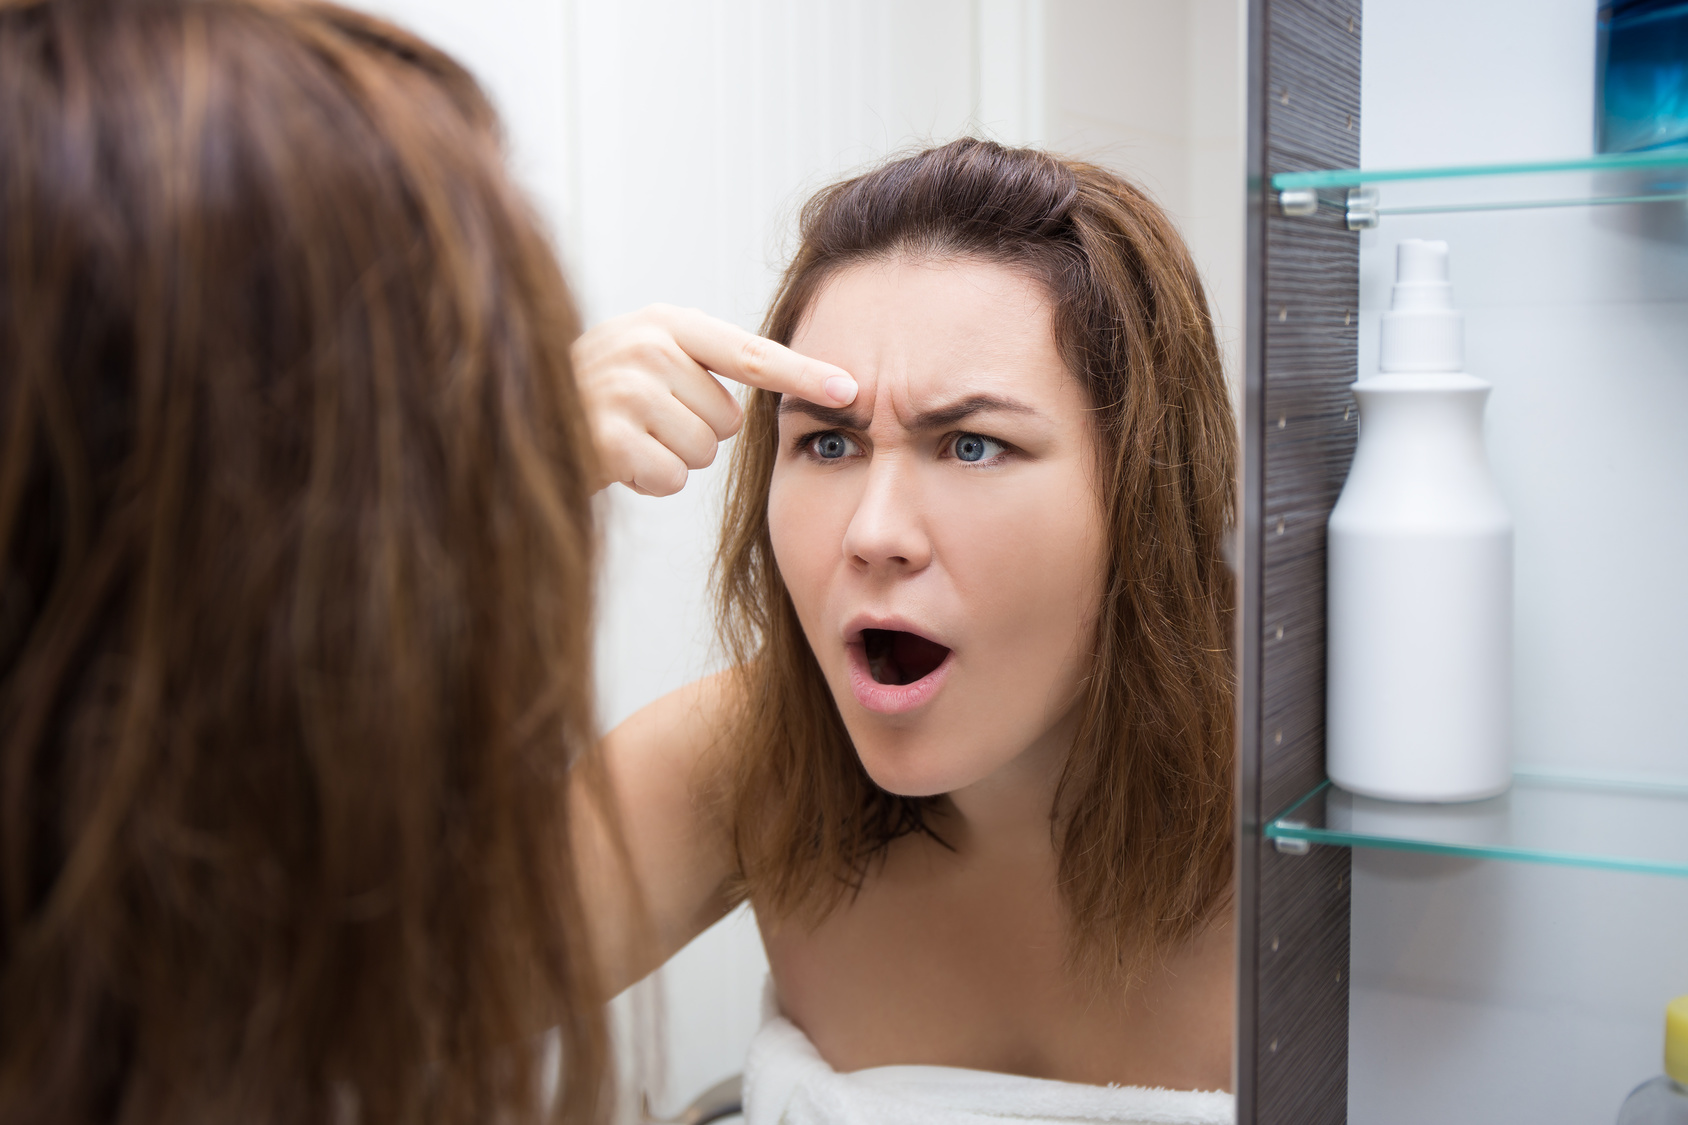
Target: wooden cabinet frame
<point x="1298" y="438"/>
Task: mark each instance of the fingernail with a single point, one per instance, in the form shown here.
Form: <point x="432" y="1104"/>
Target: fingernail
<point x="841" y="389"/>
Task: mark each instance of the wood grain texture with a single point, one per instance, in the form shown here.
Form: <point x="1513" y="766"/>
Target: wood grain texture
<point x="1298" y="440"/>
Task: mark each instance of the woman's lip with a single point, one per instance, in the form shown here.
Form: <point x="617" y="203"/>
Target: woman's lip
<point x="893" y="699"/>
<point x="859" y="625"/>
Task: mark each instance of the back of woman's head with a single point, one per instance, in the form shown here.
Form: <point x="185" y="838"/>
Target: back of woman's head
<point x="295" y="554"/>
<point x="1143" y="819"/>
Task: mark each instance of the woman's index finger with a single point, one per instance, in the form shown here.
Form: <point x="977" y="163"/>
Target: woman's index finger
<point x="756" y="361"/>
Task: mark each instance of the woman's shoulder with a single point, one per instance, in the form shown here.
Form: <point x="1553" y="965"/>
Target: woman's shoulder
<point x="684" y="729"/>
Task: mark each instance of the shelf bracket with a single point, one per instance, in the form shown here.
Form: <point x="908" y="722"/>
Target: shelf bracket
<point x="1362" y="208"/>
<point x="1299" y="202"/>
<point x="1291" y="846"/>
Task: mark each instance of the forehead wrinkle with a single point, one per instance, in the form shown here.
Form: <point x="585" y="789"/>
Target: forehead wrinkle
<point x="917" y="383"/>
<point x="902" y="402"/>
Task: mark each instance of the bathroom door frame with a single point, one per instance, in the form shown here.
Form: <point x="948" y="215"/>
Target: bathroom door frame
<point x="1297" y="440"/>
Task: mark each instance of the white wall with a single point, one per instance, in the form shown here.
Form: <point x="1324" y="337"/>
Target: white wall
<point x="1155" y="89"/>
<point x="1504" y="992"/>
<point x="669" y="143"/>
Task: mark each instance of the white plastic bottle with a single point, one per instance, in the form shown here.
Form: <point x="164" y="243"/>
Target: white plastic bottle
<point x="1664" y="1100"/>
<point x="1419" y="656"/>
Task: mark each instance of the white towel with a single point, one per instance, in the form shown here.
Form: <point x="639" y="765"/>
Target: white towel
<point x="786" y="1082"/>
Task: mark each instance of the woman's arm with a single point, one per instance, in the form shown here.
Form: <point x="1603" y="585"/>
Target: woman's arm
<point x="657" y="411"/>
<point x="667" y="880"/>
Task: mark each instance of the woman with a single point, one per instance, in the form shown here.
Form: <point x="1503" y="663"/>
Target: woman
<point x="972" y="765"/>
<point x="295" y="581"/>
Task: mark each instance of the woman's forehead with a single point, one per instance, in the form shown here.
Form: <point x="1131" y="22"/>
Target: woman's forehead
<point x="921" y="335"/>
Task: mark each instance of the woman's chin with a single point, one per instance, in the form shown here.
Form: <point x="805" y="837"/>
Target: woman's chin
<point x="911" y="770"/>
<point x="915" y="754"/>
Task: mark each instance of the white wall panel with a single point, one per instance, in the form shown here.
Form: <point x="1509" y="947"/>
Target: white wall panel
<point x="1009" y="54"/>
<point x="1154" y="91"/>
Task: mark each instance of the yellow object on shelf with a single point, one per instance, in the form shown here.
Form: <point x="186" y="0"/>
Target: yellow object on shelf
<point x="1676" y="1039"/>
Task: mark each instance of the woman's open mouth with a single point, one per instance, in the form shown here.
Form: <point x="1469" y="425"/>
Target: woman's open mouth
<point x="893" y="671"/>
<point x="895" y="657"/>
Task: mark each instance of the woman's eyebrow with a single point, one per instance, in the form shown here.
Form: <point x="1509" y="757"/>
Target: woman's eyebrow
<point x="944" y="416"/>
<point x="935" y="419"/>
<point x="842" y="417"/>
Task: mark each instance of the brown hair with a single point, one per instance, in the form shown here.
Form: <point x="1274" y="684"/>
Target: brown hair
<point x="1143" y="816"/>
<point x="295" y="562"/>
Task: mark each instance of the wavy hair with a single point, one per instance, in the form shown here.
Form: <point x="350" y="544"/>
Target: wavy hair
<point x="1142" y="820"/>
<point x="295" y="582"/>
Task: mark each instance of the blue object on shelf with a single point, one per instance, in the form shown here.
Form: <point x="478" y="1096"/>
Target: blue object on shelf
<point x="1641" y="86"/>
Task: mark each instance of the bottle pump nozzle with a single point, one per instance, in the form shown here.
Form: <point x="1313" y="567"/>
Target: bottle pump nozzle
<point x="1422" y="331"/>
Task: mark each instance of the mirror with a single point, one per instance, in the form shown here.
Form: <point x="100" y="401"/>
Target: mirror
<point x="671" y="145"/>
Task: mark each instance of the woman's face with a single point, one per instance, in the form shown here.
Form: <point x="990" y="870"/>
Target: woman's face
<point x="942" y="537"/>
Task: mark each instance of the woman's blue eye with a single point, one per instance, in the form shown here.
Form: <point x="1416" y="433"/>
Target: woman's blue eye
<point x="976" y="447"/>
<point x="830" y="447"/>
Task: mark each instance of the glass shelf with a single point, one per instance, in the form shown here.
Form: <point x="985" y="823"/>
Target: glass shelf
<point x="1637" y="177"/>
<point x="1549" y="816"/>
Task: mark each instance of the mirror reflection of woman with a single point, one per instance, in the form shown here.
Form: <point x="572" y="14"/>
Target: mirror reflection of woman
<point x="972" y="762"/>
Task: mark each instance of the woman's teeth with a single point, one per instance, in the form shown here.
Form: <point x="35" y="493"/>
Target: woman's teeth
<point x="895" y="657"/>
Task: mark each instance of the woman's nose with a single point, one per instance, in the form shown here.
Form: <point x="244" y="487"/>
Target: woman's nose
<point x="887" y="531"/>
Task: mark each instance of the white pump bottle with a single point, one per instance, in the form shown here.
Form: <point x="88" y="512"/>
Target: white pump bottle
<point x="1419" y="655"/>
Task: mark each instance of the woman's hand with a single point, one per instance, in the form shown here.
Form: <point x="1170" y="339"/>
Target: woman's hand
<point x="656" y="410"/>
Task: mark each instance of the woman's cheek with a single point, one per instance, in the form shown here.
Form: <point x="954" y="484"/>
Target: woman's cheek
<point x="797" y="519"/>
<point x="1031" y="567"/>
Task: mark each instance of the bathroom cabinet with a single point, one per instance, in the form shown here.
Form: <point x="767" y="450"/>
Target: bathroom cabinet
<point x="1498" y="960"/>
